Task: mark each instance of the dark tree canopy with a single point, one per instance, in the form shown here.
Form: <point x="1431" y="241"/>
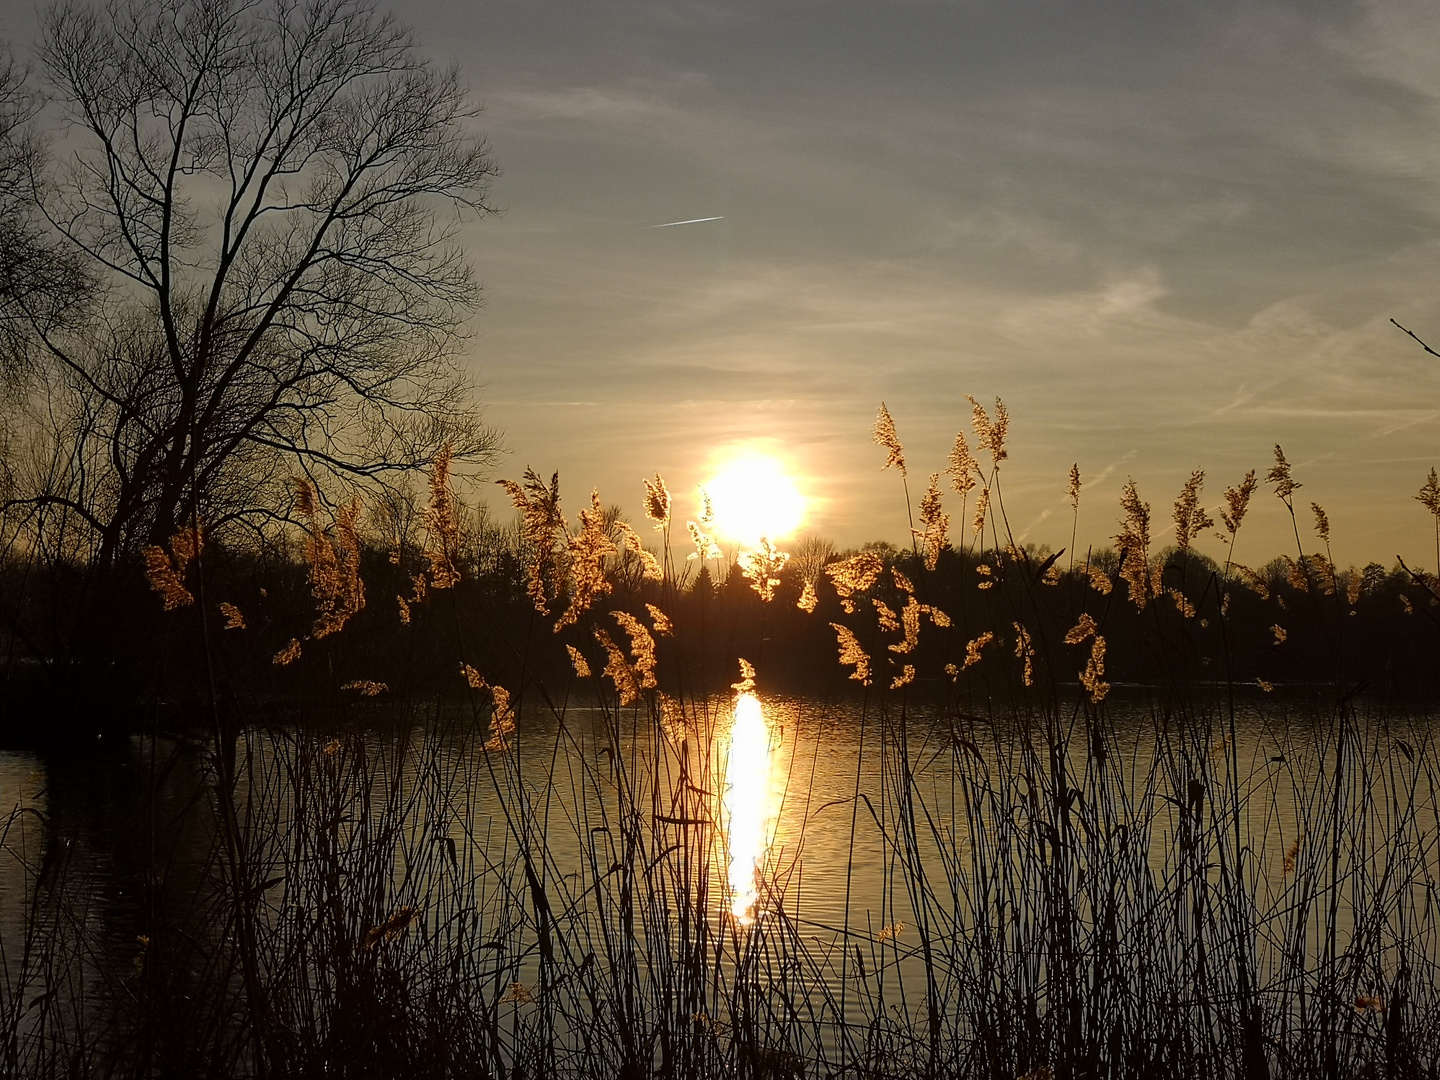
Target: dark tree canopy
<point x="262" y="196"/>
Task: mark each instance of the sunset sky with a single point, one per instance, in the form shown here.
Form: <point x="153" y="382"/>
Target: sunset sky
<point x="1169" y="235"/>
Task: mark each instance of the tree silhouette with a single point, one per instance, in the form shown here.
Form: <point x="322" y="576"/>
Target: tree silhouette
<point x="265" y="196"/>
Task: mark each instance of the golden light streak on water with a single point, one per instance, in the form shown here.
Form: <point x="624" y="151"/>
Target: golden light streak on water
<point x="747" y="803"/>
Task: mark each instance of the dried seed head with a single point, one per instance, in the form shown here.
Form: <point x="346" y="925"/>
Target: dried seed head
<point x="934" y="531"/>
<point x="1134" y="543"/>
<point x="1237" y="501"/>
<point x="642" y="647"/>
<point x="577" y="659"/>
<point x="1093" y="677"/>
<point x="973" y="647"/>
<point x="1025" y="651"/>
<point x="442" y="520"/>
<point x="1074" y="490"/>
<point x="747" y="678"/>
<point x="885" y="435"/>
<point x="630" y="540"/>
<point x="587" y="551"/>
<point x="1429" y="496"/>
<point x="762" y="567"/>
<point x="1189" y="516"/>
<point x="855" y="574"/>
<point x="982" y="507"/>
<point x="852" y="654"/>
<point x="1279" y="476"/>
<point x="657" y="502"/>
<point x="618" y="669"/>
<point x="541" y="527"/>
<point x="990" y="433"/>
<point x="961" y="467"/>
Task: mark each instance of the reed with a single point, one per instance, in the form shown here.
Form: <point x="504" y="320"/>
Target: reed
<point x="533" y="879"/>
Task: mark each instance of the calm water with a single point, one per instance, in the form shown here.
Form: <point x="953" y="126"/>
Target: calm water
<point x="129" y="856"/>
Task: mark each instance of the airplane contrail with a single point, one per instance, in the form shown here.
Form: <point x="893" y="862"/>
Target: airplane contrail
<point x="692" y="221"/>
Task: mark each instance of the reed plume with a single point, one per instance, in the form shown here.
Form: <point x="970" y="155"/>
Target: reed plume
<point x="1133" y="540"/>
<point x="854" y="575"/>
<point x="905" y="678"/>
<point x="910" y="620"/>
<point x="1189" y="516"/>
<point x="747" y="678"/>
<point x="934" y="531"/>
<point x="702" y="532"/>
<point x="587" y="551"/>
<point x="659" y="620"/>
<point x="618" y="669"/>
<point x="761" y="567"/>
<point x="1279" y="476"/>
<point x="961" y="467"/>
<point x="642" y="647"/>
<point x="233" y="619"/>
<point x="288" y="655"/>
<point x="630" y="541"/>
<point x="851" y="654"/>
<point x="1322" y="523"/>
<point x="1099" y="580"/>
<point x="577" y="660"/>
<point x="541" y="525"/>
<point x="366" y="687"/>
<point x="886" y="436"/>
<point x="1093" y="677"/>
<point x="1237" y="501"/>
<point x="657" y="502"/>
<point x="334" y="576"/>
<point x="166" y="572"/>
<point x="982" y="507"/>
<point x="1025" y="651"/>
<point x="990" y="432"/>
<point x="442" y="520"/>
<point x="164" y="580"/>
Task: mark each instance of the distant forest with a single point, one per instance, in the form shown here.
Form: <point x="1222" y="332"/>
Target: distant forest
<point x="99" y="660"/>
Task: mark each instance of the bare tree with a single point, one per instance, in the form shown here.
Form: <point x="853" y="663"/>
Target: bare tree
<point x="266" y="194"/>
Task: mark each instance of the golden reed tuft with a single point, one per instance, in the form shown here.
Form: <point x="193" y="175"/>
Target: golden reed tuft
<point x="442" y="520"/>
<point x="761" y="567"/>
<point x="541" y="525"/>
<point x="578" y="661"/>
<point x="887" y="437"/>
<point x="1025" y="651"/>
<point x="961" y="467"/>
<point x="586" y="552"/>
<point x="934" y="531"/>
<point x="1189" y="516"/>
<point x="618" y="669"/>
<point x="657" y="502"/>
<point x="851" y="654"/>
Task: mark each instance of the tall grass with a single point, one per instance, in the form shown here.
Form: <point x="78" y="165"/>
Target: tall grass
<point x="531" y="881"/>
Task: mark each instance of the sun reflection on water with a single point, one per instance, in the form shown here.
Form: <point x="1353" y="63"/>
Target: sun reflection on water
<point x="748" y="807"/>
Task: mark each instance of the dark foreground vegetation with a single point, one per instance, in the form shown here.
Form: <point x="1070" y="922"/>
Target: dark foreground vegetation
<point x="340" y="874"/>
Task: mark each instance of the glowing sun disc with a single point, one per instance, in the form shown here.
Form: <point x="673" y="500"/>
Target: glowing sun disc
<point x="753" y="496"/>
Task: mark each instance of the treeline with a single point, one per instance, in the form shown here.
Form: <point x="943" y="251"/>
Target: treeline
<point x="276" y="629"/>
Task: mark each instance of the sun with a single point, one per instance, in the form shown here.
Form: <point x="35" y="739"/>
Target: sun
<point x="753" y="495"/>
